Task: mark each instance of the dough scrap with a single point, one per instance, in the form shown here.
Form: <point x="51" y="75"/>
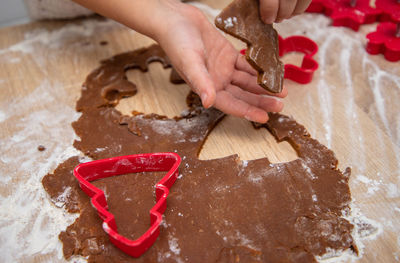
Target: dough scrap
<point x="241" y="19"/>
<point x="220" y="210"/>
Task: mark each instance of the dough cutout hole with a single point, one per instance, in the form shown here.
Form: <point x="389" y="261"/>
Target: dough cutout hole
<point x="162" y="97"/>
<point x="238" y="136"/>
<point x="294" y="58"/>
<point x="231" y="136"/>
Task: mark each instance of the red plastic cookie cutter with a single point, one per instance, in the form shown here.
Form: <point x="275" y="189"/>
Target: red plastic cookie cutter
<point x="390" y="10"/>
<point x="353" y="13"/>
<point x="319" y="6"/>
<point x="305" y="72"/>
<point x="347" y="13"/>
<point x="385" y="40"/>
<point x="152" y="162"/>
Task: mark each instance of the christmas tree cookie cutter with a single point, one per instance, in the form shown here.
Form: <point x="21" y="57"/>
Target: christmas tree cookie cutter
<point x="152" y="162"/>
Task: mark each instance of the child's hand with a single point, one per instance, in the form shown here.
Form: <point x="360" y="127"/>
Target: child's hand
<point x="213" y="68"/>
<point x="207" y="61"/>
<point x="277" y="10"/>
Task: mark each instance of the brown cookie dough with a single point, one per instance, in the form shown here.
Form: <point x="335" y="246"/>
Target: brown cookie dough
<point x="220" y="210"/>
<point x="241" y="19"/>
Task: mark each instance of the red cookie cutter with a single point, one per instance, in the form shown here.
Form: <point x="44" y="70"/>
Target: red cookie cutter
<point x="305" y="72"/>
<point x="385" y="40"/>
<point x="153" y="162"/>
<point x="347" y="13"/>
<point x="390" y="10"/>
<point x="353" y="13"/>
<point x="319" y="6"/>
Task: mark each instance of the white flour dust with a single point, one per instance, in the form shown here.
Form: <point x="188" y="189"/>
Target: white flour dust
<point x="371" y="184"/>
<point x="351" y="52"/>
<point x="355" y="86"/>
<point x="24" y="201"/>
<point x="364" y="229"/>
<point x="57" y="38"/>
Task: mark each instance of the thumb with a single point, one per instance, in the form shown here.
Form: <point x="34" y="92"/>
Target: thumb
<point x="269" y="10"/>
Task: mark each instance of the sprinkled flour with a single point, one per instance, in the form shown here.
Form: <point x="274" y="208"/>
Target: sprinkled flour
<point x="364" y="229"/>
<point x="41" y="117"/>
<point x="24" y="201"/>
<point x="58" y="38"/>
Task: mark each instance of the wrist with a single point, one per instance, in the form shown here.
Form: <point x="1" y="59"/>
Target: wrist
<point x="158" y="19"/>
<point x="172" y="17"/>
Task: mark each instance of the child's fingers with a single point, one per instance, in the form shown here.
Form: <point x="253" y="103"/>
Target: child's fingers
<point x="242" y="64"/>
<point x="249" y="83"/>
<point x="277" y="10"/>
<point x="228" y="103"/>
<point x="286" y="8"/>
<point x="243" y="80"/>
<point x="197" y="76"/>
<point x="269" y="10"/>
<point x="301" y="7"/>
<point x="263" y="102"/>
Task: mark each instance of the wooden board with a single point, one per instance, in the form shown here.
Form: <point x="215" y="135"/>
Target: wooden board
<point x="351" y="106"/>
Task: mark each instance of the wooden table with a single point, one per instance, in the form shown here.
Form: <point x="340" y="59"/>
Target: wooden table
<point x="351" y="106"/>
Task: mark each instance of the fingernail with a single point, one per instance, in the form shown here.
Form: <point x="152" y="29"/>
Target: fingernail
<point x="268" y="21"/>
<point x="254" y="120"/>
<point x="204" y="97"/>
<point x="271" y="97"/>
<point x="258" y="121"/>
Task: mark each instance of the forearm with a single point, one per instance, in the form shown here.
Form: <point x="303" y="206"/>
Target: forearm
<point x="144" y="16"/>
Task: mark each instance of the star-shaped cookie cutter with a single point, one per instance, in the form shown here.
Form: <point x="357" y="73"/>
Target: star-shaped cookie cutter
<point x="303" y="74"/>
<point x="152" y="162"/>
<point x="347" y="13"/>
